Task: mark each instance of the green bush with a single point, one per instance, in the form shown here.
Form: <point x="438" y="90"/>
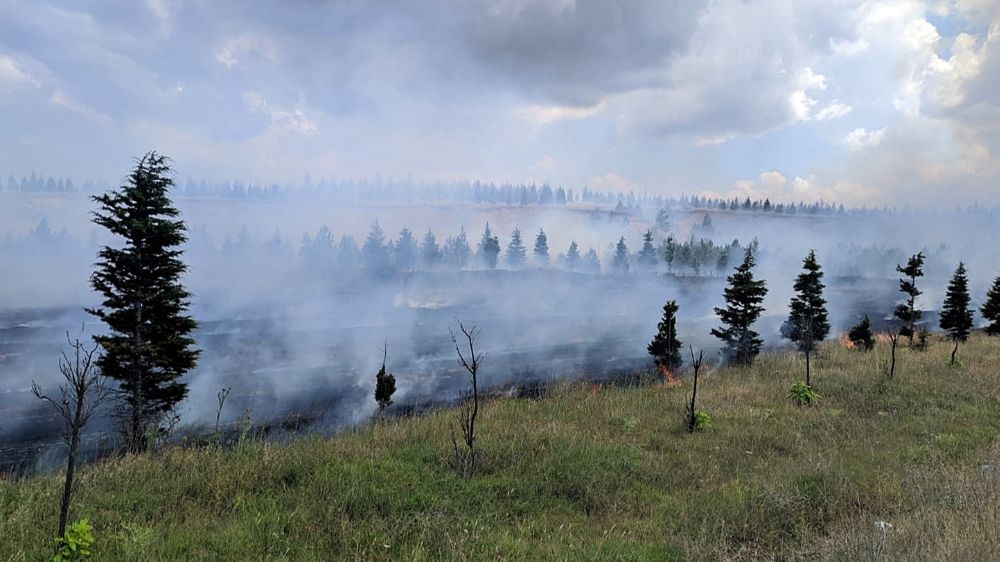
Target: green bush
<point x="803" y="393"/>
<point x="702" y="420"/>
<point x="75" y="545"/>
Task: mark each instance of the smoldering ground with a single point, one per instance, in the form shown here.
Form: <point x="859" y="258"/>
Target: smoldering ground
<point x="288" y="334"/>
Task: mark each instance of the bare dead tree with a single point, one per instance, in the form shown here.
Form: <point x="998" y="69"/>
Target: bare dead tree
<point x="692" y="421"/>
<point x="221" y="397"/>
<point x="894" y="341"/>
<point x="79" y="398"/>
<point x="471" y="360"/>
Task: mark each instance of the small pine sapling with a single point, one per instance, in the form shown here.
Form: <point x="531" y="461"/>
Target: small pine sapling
<point x="956" y="316"/>
<point x="991" y="309"/>
<point x="861" y="335"/>
<point x="665" y="347"/>
<point x="907" y="311"/>
<point x="385" y="385"/>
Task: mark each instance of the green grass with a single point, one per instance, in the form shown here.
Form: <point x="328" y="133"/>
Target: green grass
<point x="586" y="473"/>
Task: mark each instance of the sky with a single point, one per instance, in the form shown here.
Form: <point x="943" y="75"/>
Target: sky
<point x="880" y="102"/>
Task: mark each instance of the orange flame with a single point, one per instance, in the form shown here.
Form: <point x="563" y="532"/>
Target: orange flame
<point x="669" y="378"/>
<point x="846" y="342"/>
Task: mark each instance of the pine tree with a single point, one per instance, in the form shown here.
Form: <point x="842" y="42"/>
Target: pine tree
<point x="670" y="250"/>
<point x="956" y="316"/>
<point x="744" y="297"/>
<point x="385" y="385"/>
<point x="808" y="322"/>
<point x="541" y="248"/>
<point x="375" y="250"/>
<point x="405" y="255"/>
<point x="861" y="335"/>
<point x="647" y="255"/>
<point x="591" y="261"/>
<point x="991" y="309"/>
<point x="722" y="264"/>
<point x="573" y="256"/>
<point x="430" y="253"/>
<point x="348" y="252"/>
<point x="620" y="259"/>
<point x="907" y="312"/>
<point x="457" y="249"/>
<point x="665" y="347"/>
<point x="149" y="347"/>
<point x="516" y="251"/>
<point x="663" y="220"/>
<point x="489" y="248"/>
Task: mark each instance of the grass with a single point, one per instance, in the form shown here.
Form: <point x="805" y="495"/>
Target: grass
<point x="586" y="473"/>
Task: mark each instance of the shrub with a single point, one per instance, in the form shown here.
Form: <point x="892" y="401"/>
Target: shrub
<point x="803" y="394"/>
<point x="702" y="420"/>
<point x="75" y="544"/>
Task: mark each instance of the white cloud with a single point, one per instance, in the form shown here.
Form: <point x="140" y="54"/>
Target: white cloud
<point x="546" y="114"/>
<point x="834" y="110"/>
<point x="946" y="79"/>
<point x="234" y="49"/>
<point x="11" y="71"/>
<point x="63" y="100"/>
<point x="774" y="186"/>
<point x="293" y="121"/>
<point x="610" y="182"/>
<point x="161" y="11"/>
<point x="862" y="138"/>
<point x="849" y="48"/>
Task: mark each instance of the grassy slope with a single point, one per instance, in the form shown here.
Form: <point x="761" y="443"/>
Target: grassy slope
<point x="586" y="474"/>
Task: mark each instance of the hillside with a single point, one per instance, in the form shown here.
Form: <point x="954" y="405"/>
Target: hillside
<point x="586" y="473"/>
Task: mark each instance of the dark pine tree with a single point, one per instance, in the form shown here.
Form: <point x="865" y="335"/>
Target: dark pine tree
<point x="620" y="260"/>
<point x="665" y="347"/>
<point x="149" y="347"/>
<point x="405" y="254"/>
<point x="808" y="323"/>
<point x="907" y="311"/>
<point x="744" y="297"/>
<point x="430" y="252"/>
<point x="375" y="251"/>
<point x="956" y="316"/>
<point x="541" y="248"/>
<point x="573" y="256"/>
<point x="861" y="335"/>
<point x="385" y="385"/>
<point x="991" y="309"/>
<point x="515" y="250"/>
<point x="647" y="255"/>
<point x="489" y="248"/>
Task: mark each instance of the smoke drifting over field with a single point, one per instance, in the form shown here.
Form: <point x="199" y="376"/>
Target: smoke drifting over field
<point x="293" y="317"/>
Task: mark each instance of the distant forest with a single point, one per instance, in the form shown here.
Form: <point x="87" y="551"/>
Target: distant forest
<point x="388" y="191"/>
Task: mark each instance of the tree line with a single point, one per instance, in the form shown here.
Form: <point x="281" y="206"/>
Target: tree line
<point x="808" y="325"/>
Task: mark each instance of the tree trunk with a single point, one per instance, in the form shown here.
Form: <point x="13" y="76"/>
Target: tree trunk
<point x="137" y="438"/>
<point x="74" y="443"/>
<point x="953" y="352"/>
<point x="807" y="369"/>
<point x="892" y="367"/>
<point x="692" y="419"/>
